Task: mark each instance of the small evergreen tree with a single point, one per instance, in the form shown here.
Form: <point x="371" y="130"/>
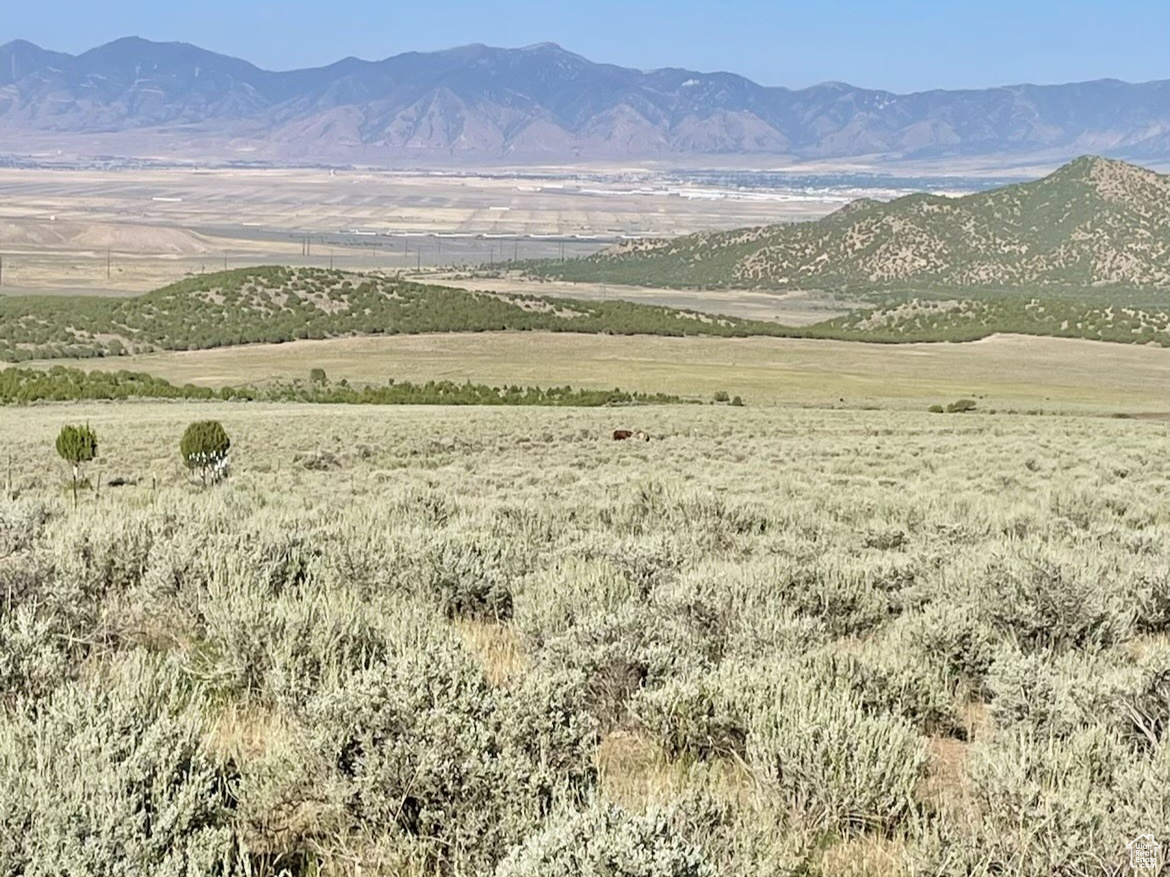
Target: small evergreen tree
<point x="77" y="445"/>
<point x="317" y="375"/>
<point x="204" y="447"/>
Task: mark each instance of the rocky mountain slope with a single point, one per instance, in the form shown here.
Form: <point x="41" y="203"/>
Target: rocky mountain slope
<point x="1093" y="223"/>
<point x="476" y="102"/>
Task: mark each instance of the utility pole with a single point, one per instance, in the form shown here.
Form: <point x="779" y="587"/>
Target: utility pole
<point x="107" y="263"/>
<point x="420" y="258"/>
<point x="225" y="260"/>
<point x="1" y="270"/>
<point x="330" y="258"/>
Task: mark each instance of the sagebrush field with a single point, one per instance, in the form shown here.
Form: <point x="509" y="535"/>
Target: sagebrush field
<point x="494" y="641"/>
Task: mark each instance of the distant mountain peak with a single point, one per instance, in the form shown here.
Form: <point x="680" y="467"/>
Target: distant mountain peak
<point x="486" y="103"/>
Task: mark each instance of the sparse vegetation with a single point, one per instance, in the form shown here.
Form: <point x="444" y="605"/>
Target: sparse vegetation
<point x="1093" y="223"/>
<point x="492" y="641"/>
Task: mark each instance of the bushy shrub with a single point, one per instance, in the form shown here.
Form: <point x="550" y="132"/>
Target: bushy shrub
<point x="886" y="684"/>
<point x="77" y="445"/>
<point x="957" y="638"/>
<point x="20" y="524"/>
<point x="961" y="406"/>
<point x="605" y="840"/>
<point x="693" y="718"/>
<point x="103" y="780"/>
<point x="843" y="596"/>
<point x="450" y="769"/>
<point x="1042" y="603"/>
<point x="624" y="652"/>
<point x="474" y="577"/>
<point x="816" y="744"/>
<point x="1034" y="794"/>
<point x="204" y="447"/>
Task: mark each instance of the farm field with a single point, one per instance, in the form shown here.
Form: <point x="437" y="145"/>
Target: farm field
<point x="791" y="308"/>
<point x="160" y="224"/>
<point x="1003" y="372"/>
<point x="494" y="641"/>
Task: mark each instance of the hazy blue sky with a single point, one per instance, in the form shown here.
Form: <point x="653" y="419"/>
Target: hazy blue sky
<point x="897" y="44"/>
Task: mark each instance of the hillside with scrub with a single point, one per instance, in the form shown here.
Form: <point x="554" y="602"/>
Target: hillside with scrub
<point x="277" y="304"/>
<point x="496" y="642"/>
<point x="1095" y="224"/>
<point x="272" y="305"/>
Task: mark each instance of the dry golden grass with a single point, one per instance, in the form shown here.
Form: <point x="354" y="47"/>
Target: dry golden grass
<point x="865" y="856"/>
<point x="496" y="646"/>
<point x="634" y="772"/>
<point x="246" y="733"/>
<point x="1003" y="372"/>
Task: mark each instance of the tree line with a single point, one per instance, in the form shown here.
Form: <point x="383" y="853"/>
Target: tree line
<point x="60" y="384"/>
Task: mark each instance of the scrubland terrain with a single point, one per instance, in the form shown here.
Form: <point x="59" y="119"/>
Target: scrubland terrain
<point x="487" y="641"/>
<point x="1092" y="224"/>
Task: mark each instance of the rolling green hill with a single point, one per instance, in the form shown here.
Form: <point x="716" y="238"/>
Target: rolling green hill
<point x="1094" y="223"/>
<point x="270" y="304"/>
<point x="275" y="305"/>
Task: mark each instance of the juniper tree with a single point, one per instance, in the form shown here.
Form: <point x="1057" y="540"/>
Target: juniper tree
<point x="77" y="445"/>
<point x="204" y="447"/>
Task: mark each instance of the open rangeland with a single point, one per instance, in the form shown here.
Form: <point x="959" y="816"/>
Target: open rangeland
<point x="492" y="641"/>
<point x="1002" y="372"/>
<point x="134" y="229"/>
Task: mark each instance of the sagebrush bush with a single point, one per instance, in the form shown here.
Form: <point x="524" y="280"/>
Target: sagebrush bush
<point x="101" y="777"/>
<point x="1043" y="603"/>
<point x="848" y="768"/>
<point x="447" y="767"/>
<point x="604" y="840"/>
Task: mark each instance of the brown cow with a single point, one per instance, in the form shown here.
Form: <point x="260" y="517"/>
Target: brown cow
<point x="620" y="435"/>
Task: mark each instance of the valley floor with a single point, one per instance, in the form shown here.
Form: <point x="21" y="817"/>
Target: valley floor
<point x="1002" y="372"/>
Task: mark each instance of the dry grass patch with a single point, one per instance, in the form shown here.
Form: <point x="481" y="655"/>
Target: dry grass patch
<point x="865" y="857"/>
<point x="947" y="786"/>
<point x="496" y="646"/>
<point x="246" y="733"/>
<point x="634" y="772"/>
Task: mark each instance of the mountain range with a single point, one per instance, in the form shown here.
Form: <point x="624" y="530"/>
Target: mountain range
<point x="133" y="97"/>
<point x="1094" y="223"/>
